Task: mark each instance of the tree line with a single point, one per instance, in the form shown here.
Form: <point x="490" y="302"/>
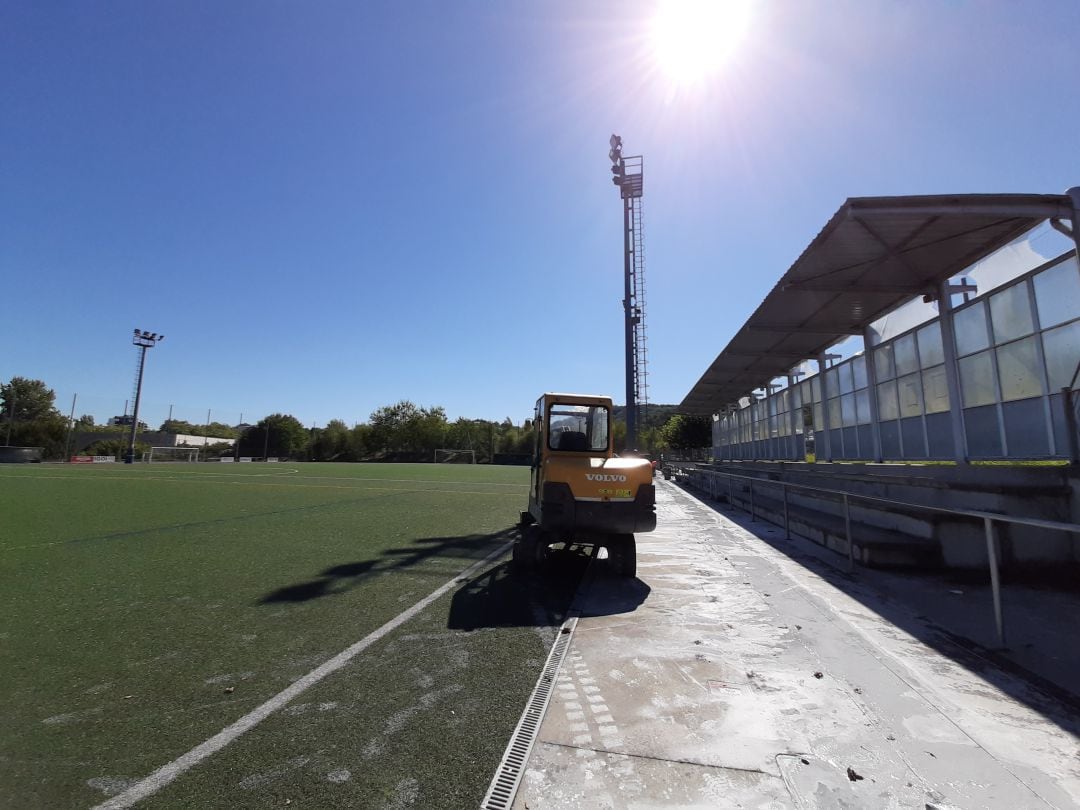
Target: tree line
<point x="403" y="431"/>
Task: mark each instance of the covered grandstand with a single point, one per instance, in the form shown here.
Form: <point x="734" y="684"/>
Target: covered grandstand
<point x="918" y="351"/>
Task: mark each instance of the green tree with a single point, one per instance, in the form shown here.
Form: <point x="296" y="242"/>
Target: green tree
<point x="331" y="443"/>
<point x="177" y="426"/>
<point x="652" y="439"/>
<point x="405" y="426"/>
<point x="687" y="432"/>
<point x="216" y="450"/>
<point x="26" y="400"/>
<point x="47" y="432"/>
<point x="28" y="417"/>
<point x="618" y="434"/>
<point x="287" y="437"/>
<point x="513" y="439"/>
<point x="215" y="430"/>
<point x="426" y="432"/>
<point x="115" y="447"/>
<point x="478" y="435"/>
<point x="359" y="442"/>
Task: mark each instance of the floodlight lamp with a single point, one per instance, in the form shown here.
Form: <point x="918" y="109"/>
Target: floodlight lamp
<point x="137" y="332"/>
<point x="616" y="141"/>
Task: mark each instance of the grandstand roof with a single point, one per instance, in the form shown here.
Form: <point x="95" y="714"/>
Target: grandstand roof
<point x="873" y="255"/>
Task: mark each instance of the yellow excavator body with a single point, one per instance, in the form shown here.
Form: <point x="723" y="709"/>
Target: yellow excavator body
<point x="580" y="492"/>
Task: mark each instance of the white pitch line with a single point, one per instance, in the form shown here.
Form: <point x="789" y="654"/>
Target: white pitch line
<point x="167" y="773"/>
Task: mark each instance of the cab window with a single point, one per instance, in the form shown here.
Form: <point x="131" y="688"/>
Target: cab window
<point x="580" y="428"/>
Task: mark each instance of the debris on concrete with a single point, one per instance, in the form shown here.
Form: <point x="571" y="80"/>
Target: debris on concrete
<point x="743" y="727"/>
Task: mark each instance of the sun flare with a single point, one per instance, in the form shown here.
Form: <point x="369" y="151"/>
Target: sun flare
<point x="692" y="39"/>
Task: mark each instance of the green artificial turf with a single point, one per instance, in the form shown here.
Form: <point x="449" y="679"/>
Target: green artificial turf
<point x="145" y="608"/>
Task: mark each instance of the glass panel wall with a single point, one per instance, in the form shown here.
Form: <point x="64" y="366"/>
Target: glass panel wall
<point x="1017" y="347"/>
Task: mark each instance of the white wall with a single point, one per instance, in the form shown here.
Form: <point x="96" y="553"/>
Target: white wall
<point x="179" y="439"/>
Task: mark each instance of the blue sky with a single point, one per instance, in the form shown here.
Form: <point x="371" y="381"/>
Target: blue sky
<point x="327" y="207"/>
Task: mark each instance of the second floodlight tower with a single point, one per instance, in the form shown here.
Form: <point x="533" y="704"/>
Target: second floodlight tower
<point x="629" y="177"/>
<point x="142" y="340"/>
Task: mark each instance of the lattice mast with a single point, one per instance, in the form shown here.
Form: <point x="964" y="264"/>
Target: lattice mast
<point x="629" y="177"/>
<point x="142" y="341"/>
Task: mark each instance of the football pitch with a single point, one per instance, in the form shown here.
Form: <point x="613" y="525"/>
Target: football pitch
<point x="147" y="608"/>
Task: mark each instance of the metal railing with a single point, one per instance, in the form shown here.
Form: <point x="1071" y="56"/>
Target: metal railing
<point x="988" y="518"/>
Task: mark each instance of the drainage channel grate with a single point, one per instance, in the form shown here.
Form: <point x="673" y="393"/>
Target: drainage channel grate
<point x="507" y="778"/>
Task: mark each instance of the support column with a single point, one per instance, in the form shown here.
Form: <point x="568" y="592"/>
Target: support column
<point x="952" y="373"/>
<point x="1074" y="195"/>
<point x="1068" y="397"/>
<point x="826" y="428"/>
<point x="795" y="455"/>
<point x="732" y="431"/>
<point x="871" y="385"/>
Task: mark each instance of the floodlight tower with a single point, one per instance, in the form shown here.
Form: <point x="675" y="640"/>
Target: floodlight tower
<point x="143" y="340"/>
<point x="629" y="177"/>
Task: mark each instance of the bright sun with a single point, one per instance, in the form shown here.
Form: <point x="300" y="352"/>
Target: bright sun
<point x="694" y="38"/>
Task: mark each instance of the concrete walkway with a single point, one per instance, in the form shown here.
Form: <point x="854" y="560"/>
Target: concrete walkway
<point x="733" y="676"/>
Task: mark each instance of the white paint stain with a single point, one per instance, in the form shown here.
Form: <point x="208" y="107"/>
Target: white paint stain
<point x="229" y="676"/>
<point x="111" y="785"/>
<point x="406" y="792"/>
<point x="339" y="776"/>
<point x="60" y="719"/>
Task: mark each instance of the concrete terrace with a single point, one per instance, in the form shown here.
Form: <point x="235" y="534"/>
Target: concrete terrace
<point x="742" y="670"/>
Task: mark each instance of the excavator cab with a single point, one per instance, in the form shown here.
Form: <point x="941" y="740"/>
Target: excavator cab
<point x="579" y="492"/>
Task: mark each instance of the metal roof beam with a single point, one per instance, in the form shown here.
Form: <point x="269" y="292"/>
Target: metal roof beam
<point x="786" y="355"/>
<point x="888" y="289"/>
<point x="1040" y="210"/>
<point x="804" y="330"/>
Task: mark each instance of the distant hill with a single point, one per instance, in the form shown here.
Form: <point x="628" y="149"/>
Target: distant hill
<point x="655" y="416"/>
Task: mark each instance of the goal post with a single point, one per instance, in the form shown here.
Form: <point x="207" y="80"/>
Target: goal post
<point x="447" y="456"/>
<point x="160" y="454"/>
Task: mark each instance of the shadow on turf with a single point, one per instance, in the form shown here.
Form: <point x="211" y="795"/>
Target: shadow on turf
<point x="495" y="598"/>
<point x="501" y="598"/>
<point x="334" y="580"/>
<point x="346" y="576"/>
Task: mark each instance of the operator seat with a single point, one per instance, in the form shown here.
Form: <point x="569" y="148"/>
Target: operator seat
<point x="573" y="440"/>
